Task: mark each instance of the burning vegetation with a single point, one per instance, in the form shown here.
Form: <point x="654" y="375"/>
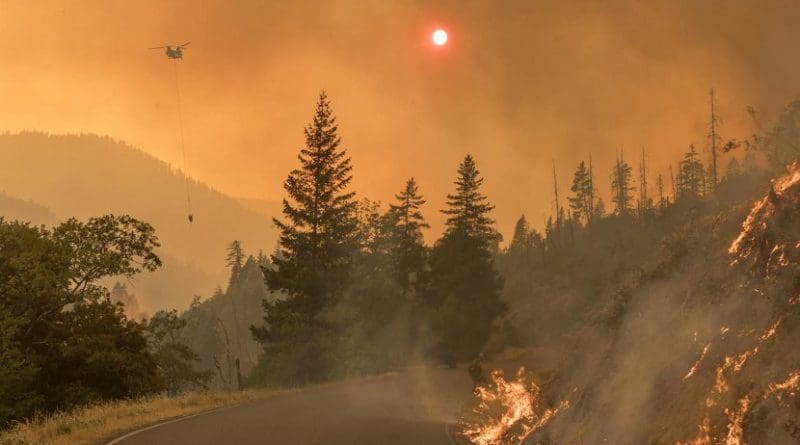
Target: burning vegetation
<point x="767" y="245"/>
<point x="507" y="411"/>
<point x="697" y="346"/>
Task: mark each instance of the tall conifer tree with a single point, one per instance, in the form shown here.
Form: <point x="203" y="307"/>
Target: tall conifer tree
<point x="582" y="188"/>
<point x="621" y="188"/>
<point x="407" y="224"/>
<point x="312" y="265"/>
<point x="465" y="288"/>
<point x="691" y="175"/>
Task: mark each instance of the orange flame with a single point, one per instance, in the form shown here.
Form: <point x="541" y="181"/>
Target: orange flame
<point x="735" y="422"/>
<point x="697" y="363"/>
<point x="506" y="412"/>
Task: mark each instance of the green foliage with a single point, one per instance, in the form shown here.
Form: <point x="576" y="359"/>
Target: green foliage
<point x="235" y="260"/>
<point x="465" y="289"/>
<point x="174" y="358"/>
<point x="556" y="287"/>
<point x="88" y="175"/>
<point x="408" y="251"/>
<point x="467" y="210"/>
<point x="691" y="180"/>
<point x="314" y="261"/>
<point x="64" y="342"/>
<point x="218" y="328"/>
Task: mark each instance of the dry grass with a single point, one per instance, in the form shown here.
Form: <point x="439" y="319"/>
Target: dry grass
<point x="99" y="423"/>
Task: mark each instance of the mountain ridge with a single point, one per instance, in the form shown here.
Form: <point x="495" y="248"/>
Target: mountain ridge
<point x="85" y="175"/>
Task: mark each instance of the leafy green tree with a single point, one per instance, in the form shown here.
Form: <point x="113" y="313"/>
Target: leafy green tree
<point x="313" y="264"/>
<point x="465" y="287"/>
<point x="174" y="358"/>
<point x="65" y="343"/>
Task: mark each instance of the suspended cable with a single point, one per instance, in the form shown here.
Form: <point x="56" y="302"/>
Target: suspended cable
<point x="183" y="142"/>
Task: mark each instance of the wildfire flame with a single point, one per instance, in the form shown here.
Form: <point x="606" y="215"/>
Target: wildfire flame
<point x="697" y="363"/>
<point x="735" y="422"/>
<point x="507" y="411"/>
<point x="736" y="415"/>
<point x="753" y="244"/>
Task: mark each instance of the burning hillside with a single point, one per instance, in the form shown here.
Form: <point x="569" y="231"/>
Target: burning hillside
<point x="770" y="236"/>
<point x="703" y="355"/>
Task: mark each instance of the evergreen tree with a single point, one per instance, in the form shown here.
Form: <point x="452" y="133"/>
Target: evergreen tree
<point x="621" y="188"/>
<point x="408" y="248"/>
<point x="467" y="210"/>
<point x="733" y="170"/>
<point x="583" y="191"/>
<point x="262" y="259"/>
<point x="522" y="234"/>
<point x="369" y="340"/>
<point x="599" y="209"/>
<point x="465" y="288"/>
<point x="691" y="176"/>
<point x="235" y="260"/>
<point x="663" y="200"/>
<point x="315" y="250"/>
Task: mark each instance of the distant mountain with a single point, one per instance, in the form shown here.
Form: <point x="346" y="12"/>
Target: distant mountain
<point x="89" y="175"/>
<point x="268" y="209"/>
<point x="12" y="208"/>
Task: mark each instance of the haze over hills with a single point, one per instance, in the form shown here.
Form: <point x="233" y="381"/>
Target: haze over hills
<point x="263" y="207"/>
<point x="12" y="208"/>
<point x="54" y="177"/>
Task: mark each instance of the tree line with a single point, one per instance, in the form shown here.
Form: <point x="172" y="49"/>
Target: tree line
<point x="351" y="288"/>
<point x="360" y="291"/>
<point x="63" y="341"/>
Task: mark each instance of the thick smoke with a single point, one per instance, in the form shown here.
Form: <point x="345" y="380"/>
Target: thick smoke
<point x="522" y="83"/>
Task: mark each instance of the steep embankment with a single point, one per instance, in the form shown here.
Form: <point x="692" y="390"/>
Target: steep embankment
<point x="87" y="175"/>
<point x="702" y="349"/>
<point x="697" y="344"/>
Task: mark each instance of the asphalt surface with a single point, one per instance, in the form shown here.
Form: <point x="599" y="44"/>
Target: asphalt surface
<point x="411" y="407"/>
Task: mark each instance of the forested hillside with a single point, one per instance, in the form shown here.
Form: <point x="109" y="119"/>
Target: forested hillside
<point x="671" y="320"/>
<point x="12" y="208"/>
<point x="669" y="315"/>
<point x="87" y="175"/>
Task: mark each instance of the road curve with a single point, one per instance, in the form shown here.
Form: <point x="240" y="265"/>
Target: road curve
<point x="411" y="407"/>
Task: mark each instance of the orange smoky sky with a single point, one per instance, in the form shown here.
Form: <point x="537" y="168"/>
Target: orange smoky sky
<point x="519" y="85"/>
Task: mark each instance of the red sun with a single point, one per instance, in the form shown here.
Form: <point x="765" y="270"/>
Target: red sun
<point x="439" y="37"/>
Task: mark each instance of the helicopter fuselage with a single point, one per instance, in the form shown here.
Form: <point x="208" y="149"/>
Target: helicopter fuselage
<point x="174" y="53"/>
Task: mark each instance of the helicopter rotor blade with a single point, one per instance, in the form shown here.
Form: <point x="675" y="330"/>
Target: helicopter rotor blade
<point x="157" y="47"/>
<point x="185" y="44"/>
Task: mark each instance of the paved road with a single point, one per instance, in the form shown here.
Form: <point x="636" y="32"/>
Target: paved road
<point x="412" y="407"/>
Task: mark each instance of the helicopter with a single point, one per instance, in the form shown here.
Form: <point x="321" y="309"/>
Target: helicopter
<point x="175" y="52"/>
